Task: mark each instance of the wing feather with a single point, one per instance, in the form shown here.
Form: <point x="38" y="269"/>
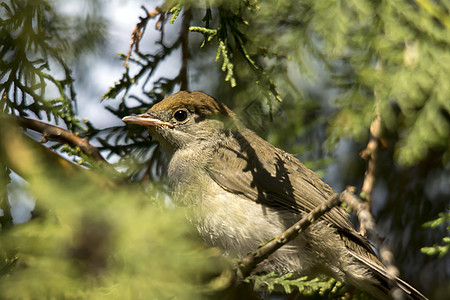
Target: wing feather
<point x="267" y="175"/>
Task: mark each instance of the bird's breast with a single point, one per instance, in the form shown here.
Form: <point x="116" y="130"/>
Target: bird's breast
<point x="230" y="221"/>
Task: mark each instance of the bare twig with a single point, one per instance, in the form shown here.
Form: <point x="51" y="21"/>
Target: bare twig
<point x="58" y="134"/>
<point x="366" y="219"/>
<point x="363" y="213"/>
<point x="139" y="30"/>
<point x="363" y="209"/>
<point x="10" y="136"/>
<point x="29" y="158"/>
<point x="371" y="155"/>
<point x="249" y="262"/>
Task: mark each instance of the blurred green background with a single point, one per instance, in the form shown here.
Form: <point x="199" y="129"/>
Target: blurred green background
<point x="308" y="76"/>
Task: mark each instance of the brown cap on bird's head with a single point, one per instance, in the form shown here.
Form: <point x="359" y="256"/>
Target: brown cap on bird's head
<point x="196" y="102"/>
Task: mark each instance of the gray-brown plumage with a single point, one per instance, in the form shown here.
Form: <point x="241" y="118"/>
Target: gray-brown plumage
<point x="245" y="191"/>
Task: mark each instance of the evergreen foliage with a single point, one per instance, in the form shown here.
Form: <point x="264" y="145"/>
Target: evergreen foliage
<point x="439" y="250"/>
<point x="309" y="76"/>
<point x="96" y="240"/>
<point x="323" y="287"/>
<point x="28" y="46"/>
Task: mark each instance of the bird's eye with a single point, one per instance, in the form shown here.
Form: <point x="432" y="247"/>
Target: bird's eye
<point x="180" y="115"/>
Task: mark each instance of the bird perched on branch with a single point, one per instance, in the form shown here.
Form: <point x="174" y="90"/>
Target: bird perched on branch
<point x="244" y="191"/>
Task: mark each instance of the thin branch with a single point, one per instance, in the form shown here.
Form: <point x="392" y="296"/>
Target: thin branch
<point x="139" y="30"/>
<point x="367" y="220"/>
<point x="61" y="135"/>
<point x="20" y="150"/>
<point x="363" y="213"/>
<point x="371" y="155"/>
<point x="48" y="157"/>
<point x="184" y="36"/>
<point x="363" y="208"/>
<point x="249" y="262"/>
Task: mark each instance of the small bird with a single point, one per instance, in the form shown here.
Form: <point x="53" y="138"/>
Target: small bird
<point x="245" y="191"/>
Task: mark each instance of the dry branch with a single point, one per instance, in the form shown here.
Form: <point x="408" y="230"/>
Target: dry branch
<point x="371" y="155"/>
<point x="249" y="262"/>
<point x="61" y="135"/>
<point x="139" y="30"/>
<point x="367" y="220"/>
<point x="363" y="209"/>
<point x="363" y="213"/>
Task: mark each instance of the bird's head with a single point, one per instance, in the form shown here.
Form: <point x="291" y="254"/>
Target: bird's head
<point x="185" y="118"/>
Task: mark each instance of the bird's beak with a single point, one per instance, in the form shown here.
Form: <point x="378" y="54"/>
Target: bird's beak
<point x="146" y="120"/>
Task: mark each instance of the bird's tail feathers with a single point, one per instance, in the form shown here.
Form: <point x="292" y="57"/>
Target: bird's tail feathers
<point x="387" y="282"/>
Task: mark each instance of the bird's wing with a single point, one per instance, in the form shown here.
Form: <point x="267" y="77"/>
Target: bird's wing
<point x="265" y="174"/>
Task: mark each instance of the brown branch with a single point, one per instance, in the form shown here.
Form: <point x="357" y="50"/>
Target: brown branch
<point x="363" y="213"/>
<point x="371" y="155"/>
<point x="29" y="158"/>
<point x="367" y="221"/>
<point x="58" y="134"/>
<point x="249" y="262"/>
<point x="363" y="209"/>
<point x="139" y="30"/>
<point x="14" y="142"/>
<point x="184" y="37"/>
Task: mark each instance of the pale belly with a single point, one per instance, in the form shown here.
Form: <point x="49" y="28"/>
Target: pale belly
<point x="237" y="225"/>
